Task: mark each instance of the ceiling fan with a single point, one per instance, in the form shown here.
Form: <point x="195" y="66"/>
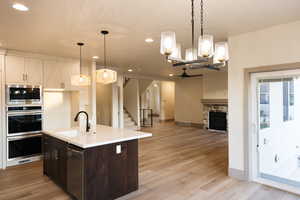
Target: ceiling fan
<point x="186" y="75"/>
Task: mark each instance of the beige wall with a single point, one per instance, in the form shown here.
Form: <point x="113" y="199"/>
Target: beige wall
<point x="143" y="85"/>
<point x="131" y="99"/>
<point x="215" y="85"/>
<point x="167" y="97"/>
<point x="188" y="95"/>
<point x="270" y="46"/>
<point x="104" y="104"/>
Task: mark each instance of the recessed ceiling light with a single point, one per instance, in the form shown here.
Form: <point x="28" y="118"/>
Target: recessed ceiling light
<point x="130" y="70"/>
<point x="95" y="57"/>
<point x="149" y="40"/>
<point x="171" y="75"/>
<point x="20" y="7"/>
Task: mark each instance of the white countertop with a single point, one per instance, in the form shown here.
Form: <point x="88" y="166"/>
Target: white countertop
<point x="104" y="135"/>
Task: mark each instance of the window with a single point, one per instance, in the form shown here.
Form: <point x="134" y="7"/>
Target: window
<point x="288" y="99"/>
<point x="264" y="104"/>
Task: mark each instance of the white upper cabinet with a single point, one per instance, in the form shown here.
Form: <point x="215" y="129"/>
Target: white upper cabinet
<point x="53" y="78"/>
<point x="15" y="69"/>
<point x="57" y="74"/>
<point x="34" y="71"/>
<point x="52" y="73"/>
<point x="70" y="68"/>
<point x="22" y="70"/>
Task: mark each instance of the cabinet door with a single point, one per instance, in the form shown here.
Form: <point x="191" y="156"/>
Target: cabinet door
<point x="34" y="71"/>
<point x="15" y="69"/>
<point x="70" y="68"/>
<point x="62" y="164"/>
<point x="118" y="170"/>
<point x="46" y="155"/>
<point x="53" y="78"/>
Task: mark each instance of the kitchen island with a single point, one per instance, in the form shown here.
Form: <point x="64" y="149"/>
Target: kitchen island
<point x="101" y="165"/>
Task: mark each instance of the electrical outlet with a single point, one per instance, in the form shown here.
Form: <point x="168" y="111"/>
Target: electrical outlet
<point x="118" y="149"/>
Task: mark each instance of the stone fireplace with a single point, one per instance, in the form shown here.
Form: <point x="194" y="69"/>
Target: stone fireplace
<point x="213" y="105"/>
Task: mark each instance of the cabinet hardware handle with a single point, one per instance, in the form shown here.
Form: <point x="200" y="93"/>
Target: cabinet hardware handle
<point x="26" y="77"/>
<point x="23" y="77"/>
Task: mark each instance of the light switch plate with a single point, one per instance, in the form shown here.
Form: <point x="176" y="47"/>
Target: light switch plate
<point x="118" y="149"/>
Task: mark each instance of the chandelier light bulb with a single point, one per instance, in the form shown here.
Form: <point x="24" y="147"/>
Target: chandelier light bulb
<point x="176" y="54"/>
<point x="206" y="46"/>
<point x="168" y="43"/>
<point x="221" y="52"/>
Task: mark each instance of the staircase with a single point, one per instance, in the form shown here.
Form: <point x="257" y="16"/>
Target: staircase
<point x="128" y="122"/>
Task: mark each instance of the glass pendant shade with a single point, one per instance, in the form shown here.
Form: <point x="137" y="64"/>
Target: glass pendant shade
<point x="106" y="76"/>
<point x="168" y="43"/>
<point x="221" y="52"/>
<point x="206" y="46"/>
<point x="191" y="54"/>
<point x="176" y="54"/>
<point x="80" y="80"/>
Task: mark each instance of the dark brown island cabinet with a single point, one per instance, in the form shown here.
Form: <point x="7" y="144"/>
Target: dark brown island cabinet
<point x="99" y="173"/>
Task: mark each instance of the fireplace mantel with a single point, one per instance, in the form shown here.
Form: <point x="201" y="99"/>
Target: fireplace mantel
<point x="214" y="101"/>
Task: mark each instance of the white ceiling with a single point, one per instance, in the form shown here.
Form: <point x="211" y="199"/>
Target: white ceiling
<point x="54" y="26"/>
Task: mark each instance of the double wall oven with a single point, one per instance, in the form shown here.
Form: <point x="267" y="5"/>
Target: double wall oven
<point x="24" y="117"/>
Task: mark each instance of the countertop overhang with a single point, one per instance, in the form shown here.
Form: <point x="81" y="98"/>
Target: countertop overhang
<point x="103" y="135"/>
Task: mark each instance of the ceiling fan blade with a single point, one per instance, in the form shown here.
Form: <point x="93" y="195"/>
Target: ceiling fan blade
<point x="209" y="66"/>
<point x="196" y="75"/>
<point x="202" y="60"/>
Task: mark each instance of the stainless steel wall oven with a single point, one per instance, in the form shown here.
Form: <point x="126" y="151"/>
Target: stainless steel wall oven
<point x="23" y="94"/>
<point x="24" y="139"/>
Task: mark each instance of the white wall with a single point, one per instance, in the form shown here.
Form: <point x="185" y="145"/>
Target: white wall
<point x="167" y="97"/>
<point x="188" y="95"/>
<point x="2" y="112"/>
<point x="131" y="99"/>
<point x="57" y="110"/>
<point x="117" y="103"/>
<point x="271" y="46"/>
<point x="215" y="85"/>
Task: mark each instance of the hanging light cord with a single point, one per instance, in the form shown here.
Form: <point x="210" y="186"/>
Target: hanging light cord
<point x="193" y="26"/>
<point x="104" y="51"/>
<point x="80" y="62"/>
<point x="202" y="32"/>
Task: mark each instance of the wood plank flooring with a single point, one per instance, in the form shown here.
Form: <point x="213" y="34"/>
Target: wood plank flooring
<point x="177" y="163"/>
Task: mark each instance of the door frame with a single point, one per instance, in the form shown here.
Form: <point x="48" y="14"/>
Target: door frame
<point x="253" y="127"/>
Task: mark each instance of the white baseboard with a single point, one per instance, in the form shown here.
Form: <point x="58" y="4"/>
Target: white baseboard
<point x="237" y="173"/>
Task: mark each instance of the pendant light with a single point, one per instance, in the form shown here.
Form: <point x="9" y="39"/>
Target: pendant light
<point x="81" y="79"/>
<point x="105" y="75"/>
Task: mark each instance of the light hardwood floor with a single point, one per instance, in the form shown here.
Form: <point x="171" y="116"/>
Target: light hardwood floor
<point x="177" y="163"/>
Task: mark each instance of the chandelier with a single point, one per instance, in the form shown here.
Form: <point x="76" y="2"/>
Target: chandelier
<point x="207" y="55"/>
<point x="81" y="79"/>
<point x="105" y="75"/>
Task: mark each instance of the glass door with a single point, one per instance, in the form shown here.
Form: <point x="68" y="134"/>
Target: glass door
<point x="278" y="99"/>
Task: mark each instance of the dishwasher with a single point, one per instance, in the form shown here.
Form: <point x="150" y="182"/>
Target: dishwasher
<point x="75" y="172"/>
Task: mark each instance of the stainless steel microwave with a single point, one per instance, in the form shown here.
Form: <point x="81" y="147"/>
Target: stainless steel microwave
<point x="23" y="94"/>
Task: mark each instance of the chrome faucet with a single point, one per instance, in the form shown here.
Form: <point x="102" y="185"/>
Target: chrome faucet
<point x="87" y="120"/>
